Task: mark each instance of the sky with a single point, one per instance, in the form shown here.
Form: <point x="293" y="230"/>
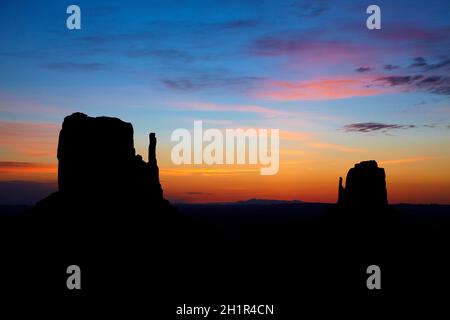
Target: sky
<point x="339" y="92"/>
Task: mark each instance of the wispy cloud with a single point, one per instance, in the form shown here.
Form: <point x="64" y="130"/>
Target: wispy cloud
<point x="79" y="66"/>
<point x="327" y="89"/>
<point x="363" y="69"/>
<point x="311" y="9"/>
<point x="421" y="62"/>
<point x="438" y="65"/>
<point x="300" y="45"/>
<point x="434" y="83"/>
<point x="29" y="138"/>
<point x="27" y="167"/>
<point x="238" y="24"/>
<point x="405" y="160"/>
<point x="220" y="107"/>
<point x="418" y="62"/>
<point x="390" y="67"/>
<point x="210" y="81"/>
<point x="366" y="127"/>
<point x="398" y="80"/>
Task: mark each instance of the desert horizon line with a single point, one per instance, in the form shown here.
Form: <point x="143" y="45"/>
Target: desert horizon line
<point x="247" y="201"/>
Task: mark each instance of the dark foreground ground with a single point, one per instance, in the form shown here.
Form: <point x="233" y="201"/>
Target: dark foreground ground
<point x="292" y="256"/>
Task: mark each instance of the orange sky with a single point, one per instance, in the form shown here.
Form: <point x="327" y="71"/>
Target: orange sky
<point x="309" y="168"/>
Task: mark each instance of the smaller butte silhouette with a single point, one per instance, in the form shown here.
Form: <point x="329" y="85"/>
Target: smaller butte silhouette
<point x="363" y="203"/>
<point x="365" y="187"/>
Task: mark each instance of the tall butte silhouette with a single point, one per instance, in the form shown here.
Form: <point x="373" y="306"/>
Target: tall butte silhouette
<point x="103" y="185"/>
<point x="97" y="161"/>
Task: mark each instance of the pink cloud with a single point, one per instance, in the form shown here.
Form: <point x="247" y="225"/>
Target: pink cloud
<point x="327" y="89"/>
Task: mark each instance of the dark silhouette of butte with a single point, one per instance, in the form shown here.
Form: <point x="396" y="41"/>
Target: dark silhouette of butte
<point x="363" y="202"/>
<point x="102" y="181"/>
<point x="365" y="187"/>
<point x="97" y="160"/>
